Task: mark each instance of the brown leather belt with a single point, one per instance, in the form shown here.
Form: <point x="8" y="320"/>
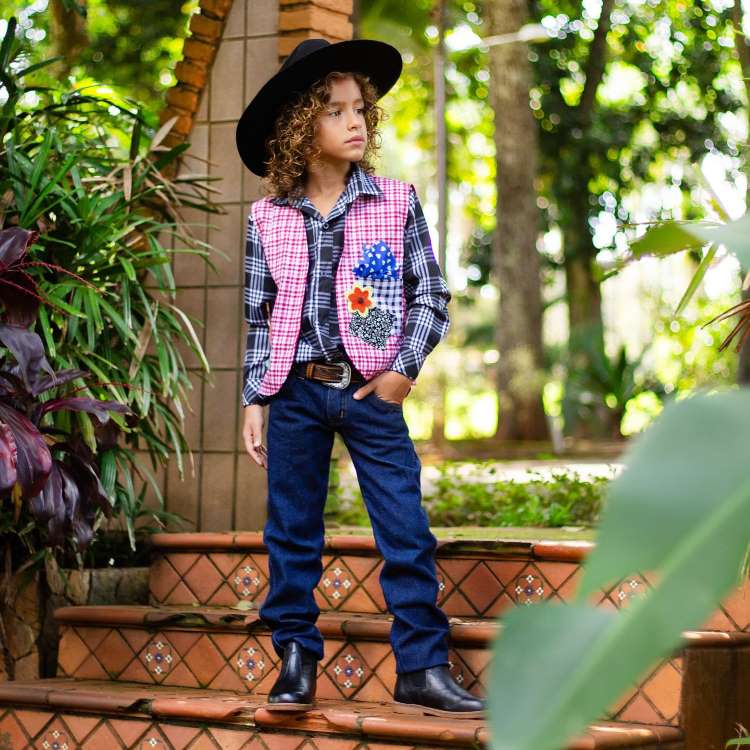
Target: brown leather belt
<point x="334" y="374"/>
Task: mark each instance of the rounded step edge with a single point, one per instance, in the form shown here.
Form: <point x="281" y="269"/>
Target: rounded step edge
<point x="471" y="631"/>
<point x="477" y="631"/>
<point x="557" y="550"/>
<point x="233" y="711"/>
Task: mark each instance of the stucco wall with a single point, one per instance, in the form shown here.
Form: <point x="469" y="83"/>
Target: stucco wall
<point x="228" y="487"/>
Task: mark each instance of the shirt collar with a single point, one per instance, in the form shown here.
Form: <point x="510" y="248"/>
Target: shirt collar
<point x="358" y="182"/>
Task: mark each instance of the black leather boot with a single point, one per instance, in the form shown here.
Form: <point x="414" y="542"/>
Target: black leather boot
<point x="294" y="689"/>
<point x="435" y="692"/>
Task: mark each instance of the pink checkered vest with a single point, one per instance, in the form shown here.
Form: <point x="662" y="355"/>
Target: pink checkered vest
<point x="369" y="288"/>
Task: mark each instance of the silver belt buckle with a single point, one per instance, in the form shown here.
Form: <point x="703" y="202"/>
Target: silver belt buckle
<point x="347" y="377"/>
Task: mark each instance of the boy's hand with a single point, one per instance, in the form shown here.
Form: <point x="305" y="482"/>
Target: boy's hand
<point x="389" y="385"/>
<point x="252" y="432"/>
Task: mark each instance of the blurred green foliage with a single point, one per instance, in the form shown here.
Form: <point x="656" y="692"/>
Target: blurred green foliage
<point x="461" y="497"/>
<point x="677" y="516"/>
<point x="132" y="45"/>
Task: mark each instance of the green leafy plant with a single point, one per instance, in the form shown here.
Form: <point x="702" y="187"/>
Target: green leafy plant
<point x="706" y="237"/>
<point x="84" y="172"/>
<point x="467" y="498"/>
<point x="54" y="474"/>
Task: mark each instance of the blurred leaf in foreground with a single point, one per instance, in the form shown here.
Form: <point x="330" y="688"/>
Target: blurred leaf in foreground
<point x="680" y="512"/>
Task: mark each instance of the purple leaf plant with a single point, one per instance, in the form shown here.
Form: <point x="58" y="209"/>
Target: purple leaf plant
<point x="54" y="474"/>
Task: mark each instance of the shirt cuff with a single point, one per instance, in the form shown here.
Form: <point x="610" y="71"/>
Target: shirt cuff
<point x="259" y="401"/>
<point x="255" y="398"/>
<point x="407" y="364"/>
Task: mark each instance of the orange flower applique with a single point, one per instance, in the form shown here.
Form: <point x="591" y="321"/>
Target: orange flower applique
<point x="359" y="299"/>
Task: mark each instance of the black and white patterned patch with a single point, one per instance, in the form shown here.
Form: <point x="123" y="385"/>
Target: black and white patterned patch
<point x="374" y="328"/>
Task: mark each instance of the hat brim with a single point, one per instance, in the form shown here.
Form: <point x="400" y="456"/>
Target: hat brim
<point x="380" y="61"/>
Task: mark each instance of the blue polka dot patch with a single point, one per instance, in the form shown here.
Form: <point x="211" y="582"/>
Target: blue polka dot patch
<point x="378" y="262"/>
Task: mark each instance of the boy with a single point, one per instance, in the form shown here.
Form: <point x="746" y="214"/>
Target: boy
<point x="343" y="260"/>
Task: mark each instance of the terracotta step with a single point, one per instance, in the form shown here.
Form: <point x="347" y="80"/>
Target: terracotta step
<point x="478" y="577"/>
<point x="481" y="579"/>
<point x="94" y="714"/>
<point x="222" y="648"/>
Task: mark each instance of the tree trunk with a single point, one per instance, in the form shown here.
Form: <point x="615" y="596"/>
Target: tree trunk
<point x="440" y="16"/>
<point x="516" y="260"/>
<point x="68" y="34"/>
<point x="585" y="322"/>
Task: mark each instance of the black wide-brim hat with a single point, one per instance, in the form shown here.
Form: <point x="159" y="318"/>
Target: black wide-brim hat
<point x="310" y="60"/>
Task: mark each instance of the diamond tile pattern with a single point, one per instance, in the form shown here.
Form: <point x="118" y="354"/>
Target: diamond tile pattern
<point x="656" y="700"/>
<point x="56" y="738"/>
<point x="180" y="658"/>
<point x="625" y="591"/>
<point x="348" y="671"/>
<point x="32" y="729"/>
<point x="336" y="583"/>
<point x="468" y="668"/>
<point x="530" y="586"/>
<point x="248" y="580"/>
<point x="252" y="663"/>
<point x="158" y="657"/>
<point x="359" y="670"/>
<point x="40" y="730"/>
<point x="206" y="659"/>
<point x="468" y="587"/>
<point x="355" y="669"/>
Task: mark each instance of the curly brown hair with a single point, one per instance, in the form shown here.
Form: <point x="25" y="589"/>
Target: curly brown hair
<point x="291" y="144"/>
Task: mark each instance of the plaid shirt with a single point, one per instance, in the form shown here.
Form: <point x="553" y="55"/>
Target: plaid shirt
<point x="425" y="289"/>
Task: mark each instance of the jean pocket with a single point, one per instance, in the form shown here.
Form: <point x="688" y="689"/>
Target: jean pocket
<point x="381" y="403"/>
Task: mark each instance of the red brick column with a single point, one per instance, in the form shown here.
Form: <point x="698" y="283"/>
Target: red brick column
<point x="312" y="18"/>
<point x="199" y="51"/>
<point x="329" y="19"/>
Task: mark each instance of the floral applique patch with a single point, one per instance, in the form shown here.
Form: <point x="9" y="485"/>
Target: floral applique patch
<point x="369" y="322"/>
<point x="375" y="328"/>
<point x="378" y="262"/>
<point x="359" y="299"/>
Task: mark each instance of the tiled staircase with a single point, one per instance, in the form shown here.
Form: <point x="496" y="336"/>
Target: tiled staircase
<point x="191" y="671"/>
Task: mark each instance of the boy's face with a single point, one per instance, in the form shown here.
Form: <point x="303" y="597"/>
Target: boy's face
<point x="342" y="120"/>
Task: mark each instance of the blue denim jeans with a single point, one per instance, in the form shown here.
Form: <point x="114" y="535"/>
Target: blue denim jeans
<point x="303" y="418"/>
